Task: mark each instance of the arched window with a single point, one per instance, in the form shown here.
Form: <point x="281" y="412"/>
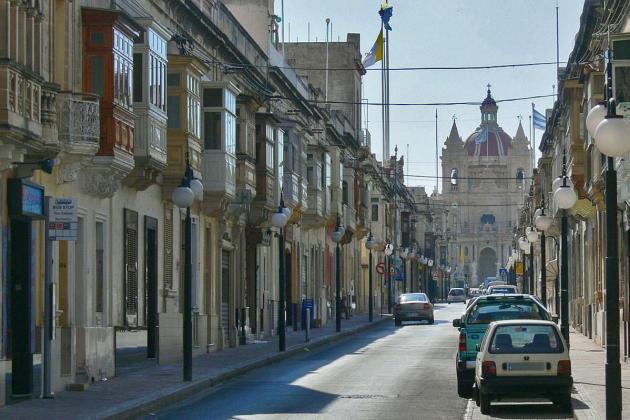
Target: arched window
<point x="488" y="219"/>
<point x="454" y="179"/>
<point x="520" y="175"/>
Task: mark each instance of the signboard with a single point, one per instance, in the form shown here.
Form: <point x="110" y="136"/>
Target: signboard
<point x="26" y="199"/>
<point x="62" y="219"/>
<point x="380" y="268"/>
<point x="519" y="268"/>
<point x="399" y="276"/>
<point x="310" y="305"/>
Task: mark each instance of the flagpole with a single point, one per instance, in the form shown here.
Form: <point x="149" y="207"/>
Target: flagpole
<point x="557" y="44"/>
<point x="533" y="141"/>
<point x="387" y="88"/>
<point x="437" y="179"/>
<point x="385" y="143"/>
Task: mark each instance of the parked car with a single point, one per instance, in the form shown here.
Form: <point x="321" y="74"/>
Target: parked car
<point x="474" y="322"/>
<point x="501" y="288"/>
<point x="413" y="307"/>
<point x="456" y="294"/>
<point x="525" y="359"/>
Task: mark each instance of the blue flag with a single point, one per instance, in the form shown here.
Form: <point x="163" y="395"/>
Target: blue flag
<point x="539" y="119"/>
<point x="386" y="13"/>
<point x="482" y="137"/>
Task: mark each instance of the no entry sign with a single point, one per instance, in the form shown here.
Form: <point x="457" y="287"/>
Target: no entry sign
<point x="380" y="268"/>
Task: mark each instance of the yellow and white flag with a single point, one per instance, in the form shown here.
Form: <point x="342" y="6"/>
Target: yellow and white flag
<point x="376" y="53"/>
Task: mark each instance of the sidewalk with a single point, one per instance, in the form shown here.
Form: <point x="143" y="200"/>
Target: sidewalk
<point x="139" y="391"/>
<point x="588" y="361"/>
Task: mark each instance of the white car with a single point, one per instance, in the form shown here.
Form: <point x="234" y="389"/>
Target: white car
<point x="523" y="358"/>
<point x="456" y="294"/>
<point x="501" y="288"/>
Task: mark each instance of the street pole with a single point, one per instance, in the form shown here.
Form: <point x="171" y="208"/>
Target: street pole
<point x="388" y="280"/>
<point x="564" y="276"/>
<point x="282" y="331"/>
<point x="543" y="269"/>
<point x="326" y="84"/>
<point x="48" y="308"/>
<point x="338" y="291"/>
<point x="532" y="285"/>
<point x="370" y="291"/>
<point x="187" y="330"/>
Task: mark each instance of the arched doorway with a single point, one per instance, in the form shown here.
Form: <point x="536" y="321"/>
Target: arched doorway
<point x="487" y="264"/>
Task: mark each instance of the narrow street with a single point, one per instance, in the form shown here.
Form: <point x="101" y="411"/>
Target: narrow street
<point x="385" y="373"/>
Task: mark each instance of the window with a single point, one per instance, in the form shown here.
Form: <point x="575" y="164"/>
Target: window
<point x="193" y="105"/>
<point x="157" y="70"/>
<point x="123" y="69"/>
<point x="100" y="267"/>
<point x="454" y="176"/>
<point x="281" y="162"/>
<point x="375" y="212"/>
<point x="526" y="339"/>
<point x="488" y="219"/>
<point x="487" y="311"/>
<point x="212" y="130"/>
<point x="413" y="297"/>
<point x="344" y="186"/>
<point x="520" y="175"/>
<point x="212" y="97"/>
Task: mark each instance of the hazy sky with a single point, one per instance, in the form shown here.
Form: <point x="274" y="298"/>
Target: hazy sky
<point x="447" y="33"/>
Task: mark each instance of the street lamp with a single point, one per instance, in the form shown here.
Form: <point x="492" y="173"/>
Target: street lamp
<point x="369" y="244"/>
<point x="543" y="222"/>
<point x="336" y="237"/>
<point x="389" y="250"/>
<point x="611" y="138"/>
<point x="279" y="220"/>
<point x="184" y="197"/>
<point x="565" y="198"/>
<point x="532" y="237"/>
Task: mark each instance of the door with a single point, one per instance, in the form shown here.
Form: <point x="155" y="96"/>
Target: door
<point x="151" y="285"/>
<point x="130" y="304"/>
<point x="225" y="293"/>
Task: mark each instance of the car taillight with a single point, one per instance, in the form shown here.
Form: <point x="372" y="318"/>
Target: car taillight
<point x="426" y="306"/>
<point x="462" y="341"/>
<point x="564" y="368"/>
<point x="488" y="368"/>
<point x="397" y="307"/>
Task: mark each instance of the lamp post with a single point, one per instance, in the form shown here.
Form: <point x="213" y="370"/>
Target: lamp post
<point x="532" y="238"/>
<point x="336" y="237"/>
<point x="611" y="138"/>
<point x="369" y="244"/>
<point x="543" y="222"/>
<point x="389" y="250"/>
<point x="565" y="198"/>
<point x="184" y="196"/>
<point x="524" y="245"/>
<point x="279" y="220"/>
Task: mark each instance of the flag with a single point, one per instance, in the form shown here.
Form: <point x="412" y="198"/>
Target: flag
<point x="376" y="53"/>
<point x="386" y="13"/>
<point x="539" y="119"/>
<point x="482" y="137"/>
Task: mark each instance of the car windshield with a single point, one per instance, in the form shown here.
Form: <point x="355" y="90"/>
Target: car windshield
<point x="502" y="290"/>
<point x="520" y="339"/>
<point x="413" y="297"/>
<point x="486" y="311"/>
<point x="456" y="292"/>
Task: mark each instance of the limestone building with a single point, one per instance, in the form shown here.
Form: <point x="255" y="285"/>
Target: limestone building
<point x="486" y="178"/>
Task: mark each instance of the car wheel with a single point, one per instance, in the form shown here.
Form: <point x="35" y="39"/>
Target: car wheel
<point x="563" y="402"/>
<point x="476" y="395"/>
<point x="397" y="322"/>
<point x="464" y="389"/>
<point x="484" y="403"/>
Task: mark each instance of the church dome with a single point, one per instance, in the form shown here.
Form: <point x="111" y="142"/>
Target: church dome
<point x="488" y="139"/>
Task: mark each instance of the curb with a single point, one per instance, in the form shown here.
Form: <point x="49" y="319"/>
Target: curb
<point x="141" y="406"/>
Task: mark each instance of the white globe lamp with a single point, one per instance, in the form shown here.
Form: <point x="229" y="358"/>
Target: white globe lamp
<point x="183" y="197"/>
<point x="595" y="116"/>
<point x="612" y="136"/>
<point x="197" y="188"/>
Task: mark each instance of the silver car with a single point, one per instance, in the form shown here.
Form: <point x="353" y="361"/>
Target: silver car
<point x="413" y="307"/>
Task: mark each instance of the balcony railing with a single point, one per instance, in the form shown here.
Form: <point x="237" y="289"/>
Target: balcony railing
<point x="291" y="189"/>
<point x="78" y="122"/>
<point x="219" y="177"/>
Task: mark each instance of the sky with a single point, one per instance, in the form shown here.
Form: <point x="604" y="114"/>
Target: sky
<point x="447" y="33"/>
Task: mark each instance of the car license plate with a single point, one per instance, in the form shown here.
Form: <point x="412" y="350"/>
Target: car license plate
<point x="526" y="366"/>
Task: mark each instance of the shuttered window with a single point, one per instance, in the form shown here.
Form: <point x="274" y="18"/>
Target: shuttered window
<point x="131" y="268"/>
<point x="168" y="248"/>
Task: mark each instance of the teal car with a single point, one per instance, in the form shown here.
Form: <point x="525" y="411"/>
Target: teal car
<point x="474" y="322"/>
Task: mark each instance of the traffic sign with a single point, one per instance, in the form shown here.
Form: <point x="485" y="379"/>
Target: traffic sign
<point x="62" y="219"/>
<point x="380" y="268"/>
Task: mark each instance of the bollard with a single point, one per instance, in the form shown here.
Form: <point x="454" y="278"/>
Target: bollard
<point x="308" y="325"/>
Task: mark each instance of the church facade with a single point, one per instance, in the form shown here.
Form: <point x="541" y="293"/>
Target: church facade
<point x="486" y="178"/>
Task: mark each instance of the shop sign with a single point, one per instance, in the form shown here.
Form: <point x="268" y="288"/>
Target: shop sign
<point x="62" y="219"/>
<point x="26" y="199"/>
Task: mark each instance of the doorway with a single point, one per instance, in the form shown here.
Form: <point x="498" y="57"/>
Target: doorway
<point x="151" y="285"/>
<point x="225" y="295"/>
<point x="487" y="264"/>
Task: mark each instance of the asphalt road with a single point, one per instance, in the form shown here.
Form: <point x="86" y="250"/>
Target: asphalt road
<point x="385" y="373"/>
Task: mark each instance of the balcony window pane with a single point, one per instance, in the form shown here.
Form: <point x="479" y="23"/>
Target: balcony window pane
<point x="375" y="212"/>
<point x="230" y="133"/>
<point x="173" y="112"/>
<point x="212" y="130"/>
<point x="96" y="74"/>
<point x="137" y="77"/>
<point x="269" y="158"/>
<point x="212" y="97"/>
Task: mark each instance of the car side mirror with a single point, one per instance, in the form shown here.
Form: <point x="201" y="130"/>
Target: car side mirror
<point x="457" y="323"/>
<point x="555" y="318"/>
<point x="477" y="347"/>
